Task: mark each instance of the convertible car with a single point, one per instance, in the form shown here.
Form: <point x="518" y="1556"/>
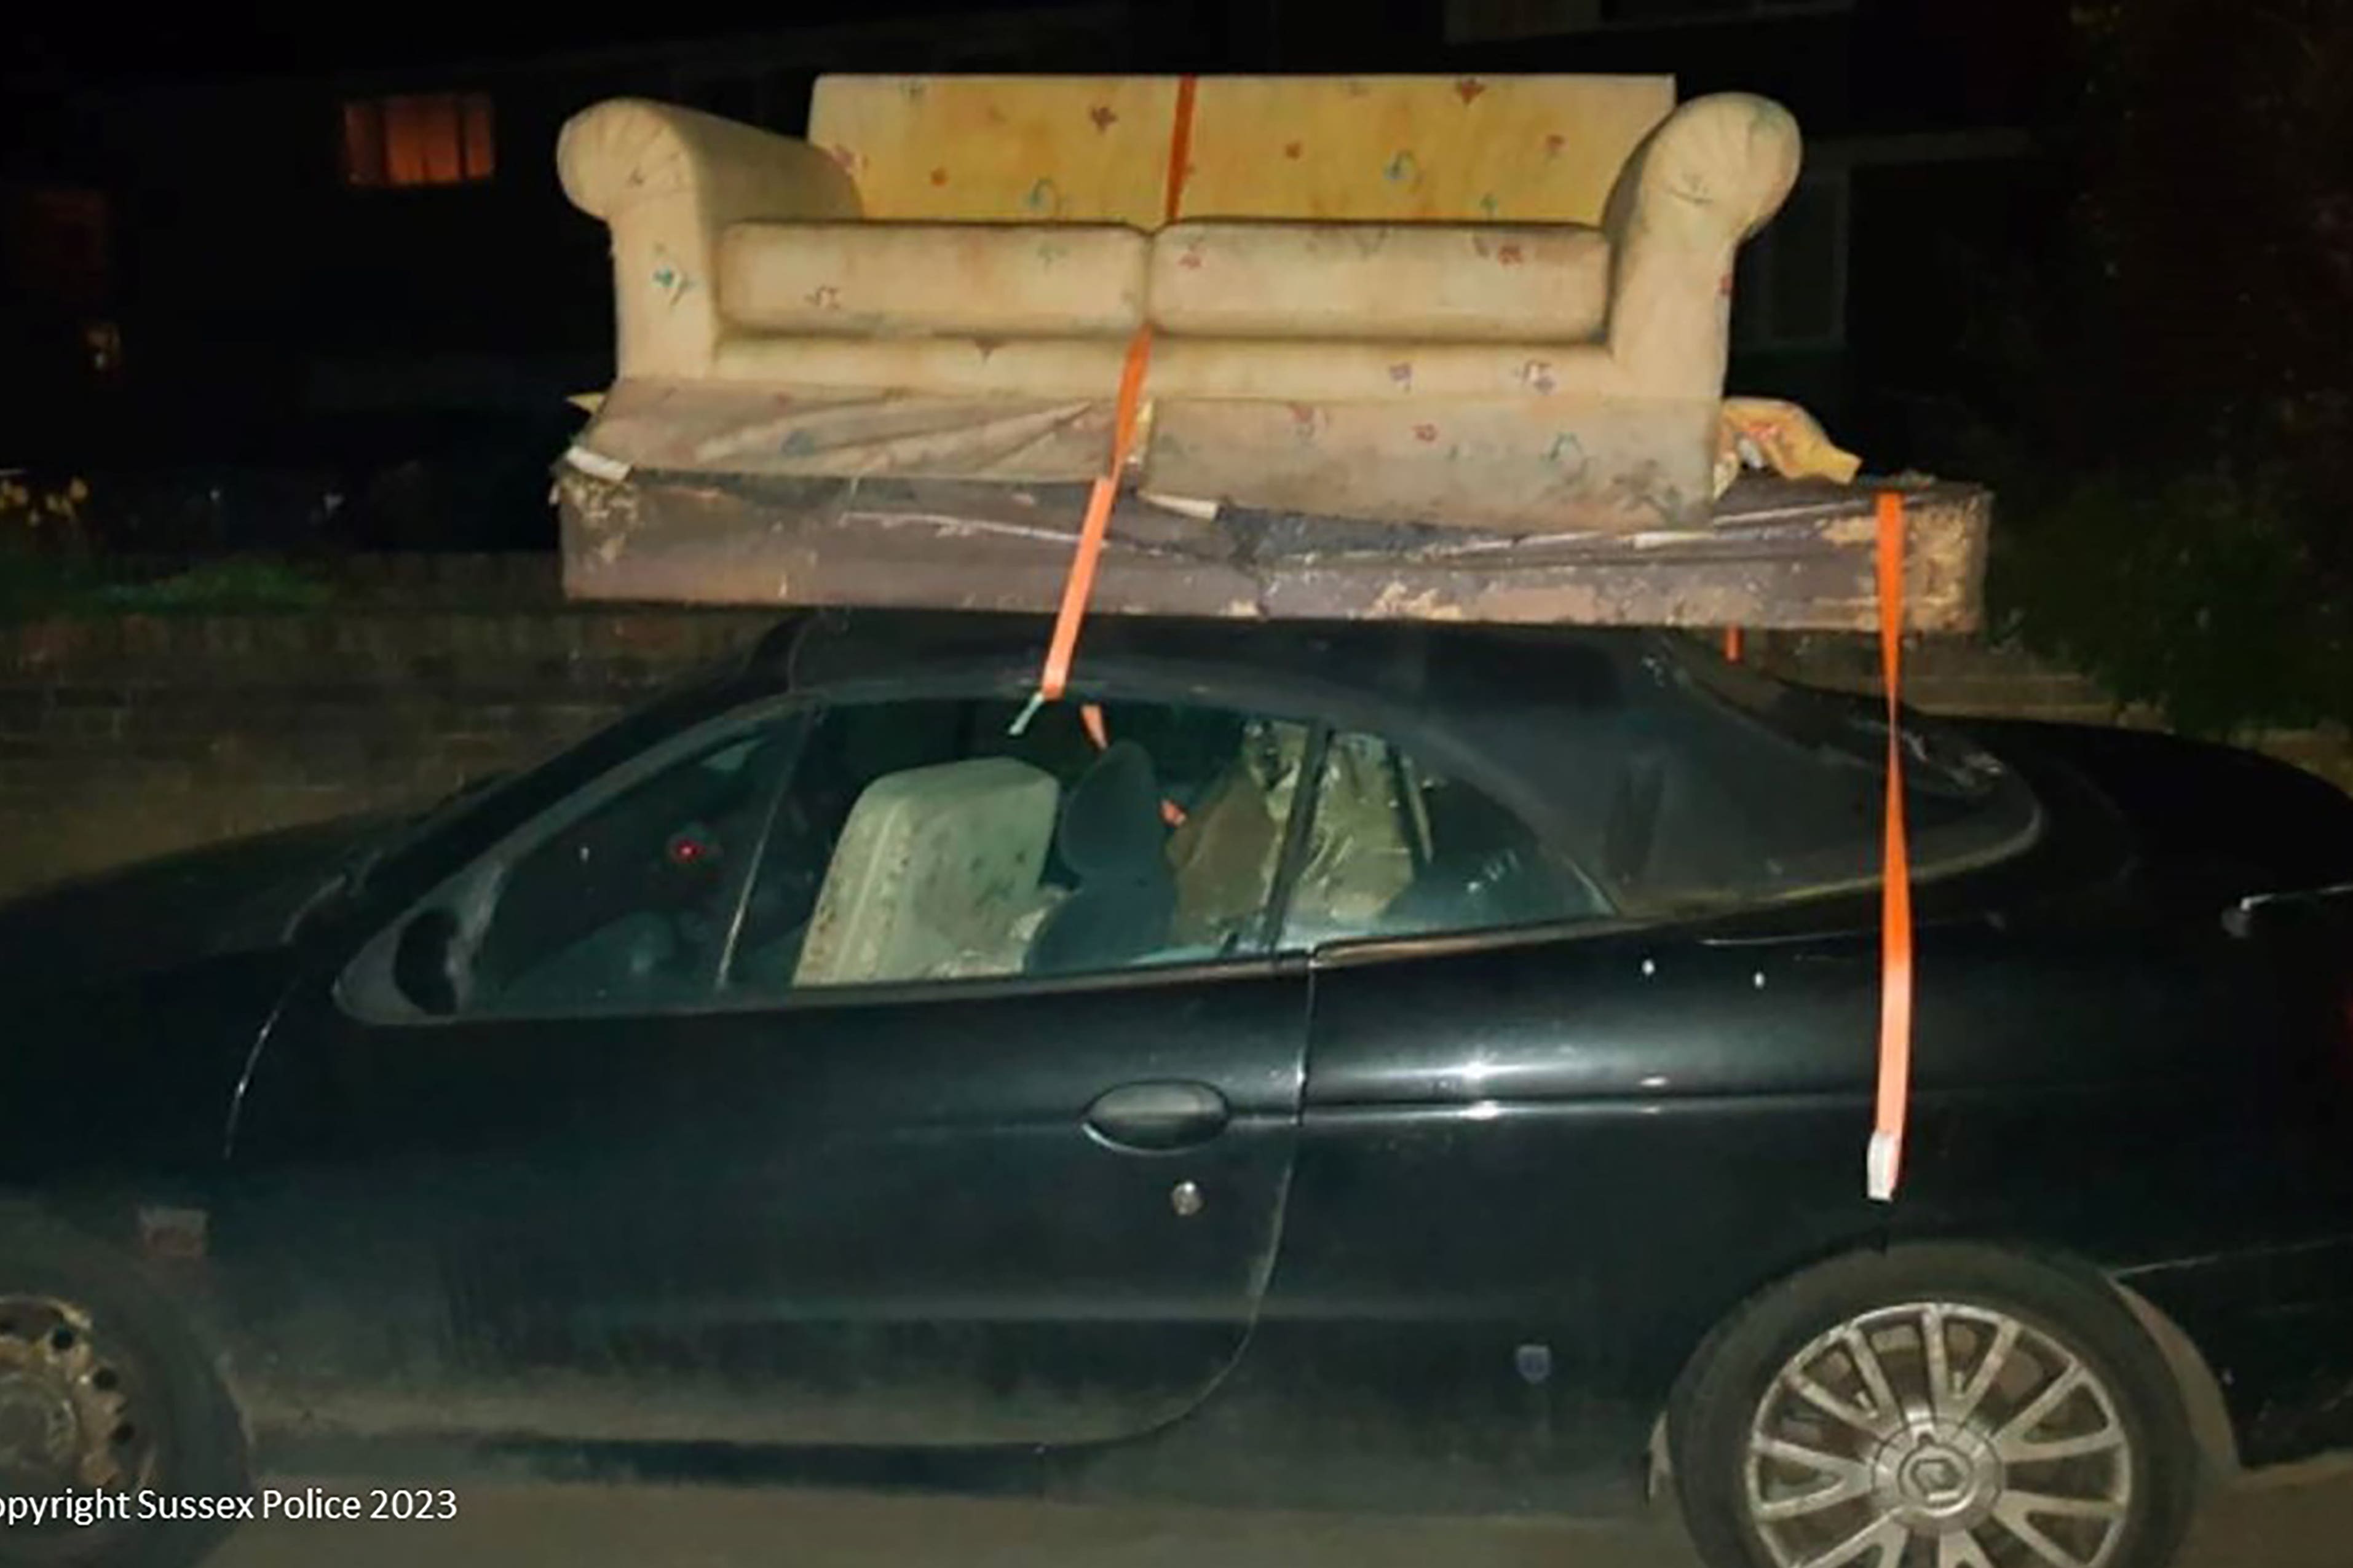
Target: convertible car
<point x="1389" y="1066"/>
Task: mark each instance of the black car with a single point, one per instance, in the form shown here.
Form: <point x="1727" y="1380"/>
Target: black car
<point x="1390" y="1065"/>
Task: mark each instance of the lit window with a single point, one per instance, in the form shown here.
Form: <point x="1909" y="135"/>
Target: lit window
<point x="419" y="139"/>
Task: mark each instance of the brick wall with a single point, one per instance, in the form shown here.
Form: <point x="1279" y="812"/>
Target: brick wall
<point x="125" y="737"/>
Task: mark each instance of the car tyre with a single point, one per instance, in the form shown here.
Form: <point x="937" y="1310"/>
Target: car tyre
<point x="105" y="1389"/>
<point x="1932" y="1406"/>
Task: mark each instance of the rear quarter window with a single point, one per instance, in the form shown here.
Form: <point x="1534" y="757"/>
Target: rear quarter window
<point x="1749" y="788"/>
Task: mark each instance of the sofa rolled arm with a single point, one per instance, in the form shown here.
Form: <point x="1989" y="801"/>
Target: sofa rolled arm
<point x="668" y="182"/>
<point x="625" y="150"/>
<point x="1706" y="179"/>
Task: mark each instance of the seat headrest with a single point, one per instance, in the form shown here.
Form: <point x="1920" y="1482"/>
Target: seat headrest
<point x="1111" y="824"/>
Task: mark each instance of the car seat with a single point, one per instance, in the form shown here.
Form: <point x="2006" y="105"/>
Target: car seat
<point x="1114" y="840"/>
<point x="935" y="865"/>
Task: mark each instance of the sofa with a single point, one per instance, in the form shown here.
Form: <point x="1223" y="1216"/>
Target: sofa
<point x="1495" y="302"/>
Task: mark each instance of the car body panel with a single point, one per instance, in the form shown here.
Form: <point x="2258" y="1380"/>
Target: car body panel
<point x="812" y="1224"/>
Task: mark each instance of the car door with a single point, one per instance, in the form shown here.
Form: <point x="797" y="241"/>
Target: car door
<point x="1455" y="1292"/>
<point x="1545" y="1147"/>
<point x="661" y="1192"/>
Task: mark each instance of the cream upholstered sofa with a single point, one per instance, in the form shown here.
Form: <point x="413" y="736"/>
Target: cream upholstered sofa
<point x="1499" y="302"/>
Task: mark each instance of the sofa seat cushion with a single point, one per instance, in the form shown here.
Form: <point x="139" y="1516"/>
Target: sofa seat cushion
<point x="931" y="279"/>
<point x="1382" y="282"/>
<point x="1399" y="374"/>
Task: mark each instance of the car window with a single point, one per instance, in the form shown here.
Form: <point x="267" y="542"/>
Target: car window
<point x="1396" y="847"/>
<point x="631" y="902"/>
<point x="1735" y="787"/>
<point x="922" y="840"/>
<point x="867" y="843"/>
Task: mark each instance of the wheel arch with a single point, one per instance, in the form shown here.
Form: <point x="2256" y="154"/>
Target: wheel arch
<point x="2193" y="1377"/>
<point x="2211" y="1425"/>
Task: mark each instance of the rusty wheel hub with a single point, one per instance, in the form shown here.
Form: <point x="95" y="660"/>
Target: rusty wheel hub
<point x="66" y="1421"/>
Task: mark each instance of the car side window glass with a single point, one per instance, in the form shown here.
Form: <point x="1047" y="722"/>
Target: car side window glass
<point x="617" y="906"/>
<point x="1398" y="848"/>
<point x="923" y="841"/>
<point x="627" y="905"/>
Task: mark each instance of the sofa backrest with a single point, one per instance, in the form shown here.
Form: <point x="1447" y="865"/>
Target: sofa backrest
<point x="1030" y="149"/>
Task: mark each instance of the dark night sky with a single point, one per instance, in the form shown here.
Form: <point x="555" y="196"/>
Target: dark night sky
<point x="93" y="41"/>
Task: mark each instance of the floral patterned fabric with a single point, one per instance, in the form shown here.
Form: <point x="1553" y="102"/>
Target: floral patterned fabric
<point x="1382" y="282"/>
<point x="1424" y="149"/>
<point x="995" y="149"/>
<point x="1090" y="149"/>
<point x="1007" y="280"/>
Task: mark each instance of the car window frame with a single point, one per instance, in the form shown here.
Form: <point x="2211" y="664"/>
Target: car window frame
<point x="1309" y="700"/>
<point x="365" y="978"/>
<point x="1408" y="763"/>
<point x="1256" y="959"/>
<point x="1713" y="682"/>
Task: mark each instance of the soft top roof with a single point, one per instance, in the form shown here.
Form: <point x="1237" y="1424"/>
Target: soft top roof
<point x="1396" y="661"/>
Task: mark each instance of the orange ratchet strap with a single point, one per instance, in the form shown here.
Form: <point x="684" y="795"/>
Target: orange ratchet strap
<point x="1180" y="151"/>
<point x="1884" y="1164"/>
<point x="1078" y="586"/>
<point x="1080" y="583"/>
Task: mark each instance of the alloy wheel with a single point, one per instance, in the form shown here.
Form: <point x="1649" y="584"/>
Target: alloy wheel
<point x="1939" y="1435"/>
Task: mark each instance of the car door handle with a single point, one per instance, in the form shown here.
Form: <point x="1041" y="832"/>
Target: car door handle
<point x="1152" y="1117"/>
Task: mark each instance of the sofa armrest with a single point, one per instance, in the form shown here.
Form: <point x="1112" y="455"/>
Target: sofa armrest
<point x="668" y="181"/>
<point x="1706" y="179"/>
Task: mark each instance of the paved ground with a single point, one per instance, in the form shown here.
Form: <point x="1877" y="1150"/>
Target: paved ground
<point x="2296" y="1521"/>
